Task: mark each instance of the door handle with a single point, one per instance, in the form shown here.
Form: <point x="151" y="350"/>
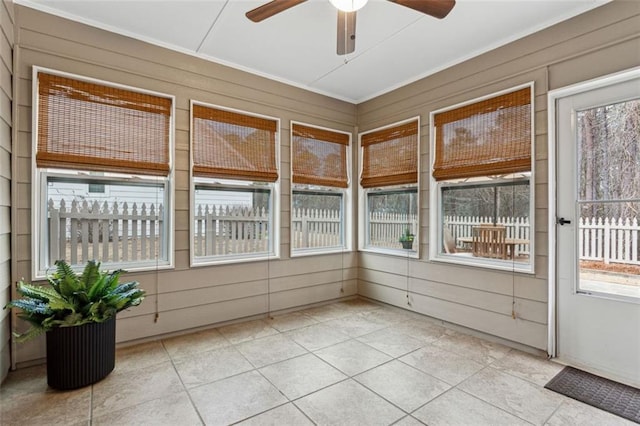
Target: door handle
<point x="563" y="221"/>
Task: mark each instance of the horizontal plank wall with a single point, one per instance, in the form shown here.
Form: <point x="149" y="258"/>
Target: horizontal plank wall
<point x="6" y="96"/>
<point x="600" y="42"/>
<point x="182" y="298"/>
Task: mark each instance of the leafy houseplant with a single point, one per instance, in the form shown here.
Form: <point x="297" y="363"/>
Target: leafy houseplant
<point x="407" y="239"/>
<point x="71" y="308"/>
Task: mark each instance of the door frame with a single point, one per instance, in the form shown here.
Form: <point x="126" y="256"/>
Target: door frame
<point x="553" y="96"/>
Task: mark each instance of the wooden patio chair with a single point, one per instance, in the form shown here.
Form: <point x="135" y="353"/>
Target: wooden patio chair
<point x="448" y="241"/>
<point x="489" y="241"/>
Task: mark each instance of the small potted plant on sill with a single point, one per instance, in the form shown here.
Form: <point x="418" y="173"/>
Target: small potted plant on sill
<point x="78" y="315"/>
<point x="407" y="239"/>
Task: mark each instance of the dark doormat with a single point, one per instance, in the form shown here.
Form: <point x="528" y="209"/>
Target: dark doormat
<point x="605" y="394"/>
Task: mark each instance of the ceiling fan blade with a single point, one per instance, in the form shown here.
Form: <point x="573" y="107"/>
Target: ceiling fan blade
<point x="436" y="8"/>
<point x="346" y="32"/>
<point x="269" y="9"/>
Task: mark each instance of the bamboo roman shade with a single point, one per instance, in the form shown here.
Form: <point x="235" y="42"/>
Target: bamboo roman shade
<point x="390" y="156"/>
<point x="490" y="137"/>
<point x="89" y="126"/>
<point x="232" y="145"/>
<point x="319" y="156"/>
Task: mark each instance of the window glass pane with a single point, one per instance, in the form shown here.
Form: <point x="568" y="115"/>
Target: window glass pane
<point x="392" y="217"/>
<point x="96" y="188"/>
<point x="504" y="207"/>
<point x="125" y="224"/>
<point x="232" y="222"/>
<point x="316" y="220"/>
<point x="608" y="142"/>
<point x="609" y="152"/>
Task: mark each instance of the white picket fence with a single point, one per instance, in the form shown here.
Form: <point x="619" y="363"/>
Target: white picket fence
<point x="221" y="230"/>
<point x="386" y="228"/>
<point x="105" y="232"/>
<point x="119" y="232"/>
<point x="313" y="228"/>
<point x="609" y="240"/>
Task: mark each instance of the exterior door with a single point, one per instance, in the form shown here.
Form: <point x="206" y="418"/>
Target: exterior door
<point x="597" y="232"/>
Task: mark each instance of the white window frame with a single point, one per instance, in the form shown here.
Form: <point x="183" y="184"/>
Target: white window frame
<point x="436" y="252"/>
<point x="346" y="202"/>
<point x="39" y="237"/>
<point x="363" y="206"/>
<point x="273" y="251"/>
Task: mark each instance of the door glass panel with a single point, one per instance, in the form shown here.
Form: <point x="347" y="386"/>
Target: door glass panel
<point x="609" y="199"/>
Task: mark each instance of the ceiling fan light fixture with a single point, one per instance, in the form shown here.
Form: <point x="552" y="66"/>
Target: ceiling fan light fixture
<point x="348" y="5"/>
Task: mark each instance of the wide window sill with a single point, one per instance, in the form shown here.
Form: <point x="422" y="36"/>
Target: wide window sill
<point x="318" y="251"/>
<point x="468" y="259"/>
<point x="399" y="252"/>
<point x="211" y="261"/>
<point x="127" y="267"/>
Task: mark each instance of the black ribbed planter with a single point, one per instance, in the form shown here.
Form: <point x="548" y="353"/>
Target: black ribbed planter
<point x="81" y="355"/>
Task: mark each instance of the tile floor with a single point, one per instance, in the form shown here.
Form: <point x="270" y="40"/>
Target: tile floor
<point x="348" y="363"/>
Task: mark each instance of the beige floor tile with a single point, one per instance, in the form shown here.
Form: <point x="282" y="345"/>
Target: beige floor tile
<point x="143" y="355"/>
<point x="352" y="357"/>
<point x="235" y="398"/>
<point x="355" y="325"/>
<point x="572" y="412"/>
<point x="46" y="407"/>
<point x="24" y="381"/>
<point x="387" y="316"/>
<point x="326" y="312"/>
<point x="479" y="350"/>
<point x="391" y="342"/>
<point x="356" y="306"/>
<point x="493" y="384"/>
<point x="402" y="385"/>
<point x="512" y="394"/>
<point x="171" y="410"/>
<point x="442" y="364"/>
<point x="456" y="408"/>
<point x="207" y="367"/>
<point x="123" y="389"/>
<point x="291" y="321"/>
<point x="271" y="349"/>
<point x="408" y="421"/>
<point x="534" y="369"/>
<point x="302" y="375"/>
<point x="287" y="414"/>
<point x="424" y="330"/>
<point x="245" y="331"/>
<point x="193" y="343"/>
<point x="316" y="336"/>
<point x="348" y="403"/>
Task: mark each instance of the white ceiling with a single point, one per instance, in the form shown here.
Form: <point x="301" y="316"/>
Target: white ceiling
<point x="394" y="45"/>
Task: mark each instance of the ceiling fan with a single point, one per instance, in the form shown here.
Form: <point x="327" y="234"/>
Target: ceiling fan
<point x="347" y="15"/>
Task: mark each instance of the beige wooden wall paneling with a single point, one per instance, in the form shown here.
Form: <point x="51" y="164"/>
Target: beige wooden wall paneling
<point x="183" y="298"/>
<point x="597" y="43"/>
<point x="6" y="95"/>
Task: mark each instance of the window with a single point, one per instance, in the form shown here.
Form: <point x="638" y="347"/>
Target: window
<point x="481" y="189"/>
<point x="389" y="197"/>
<point x="319" y="164"/>
<point x="103" y="164"/>
<point x="96" y="188"/>
<point x="235" y="176"/>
